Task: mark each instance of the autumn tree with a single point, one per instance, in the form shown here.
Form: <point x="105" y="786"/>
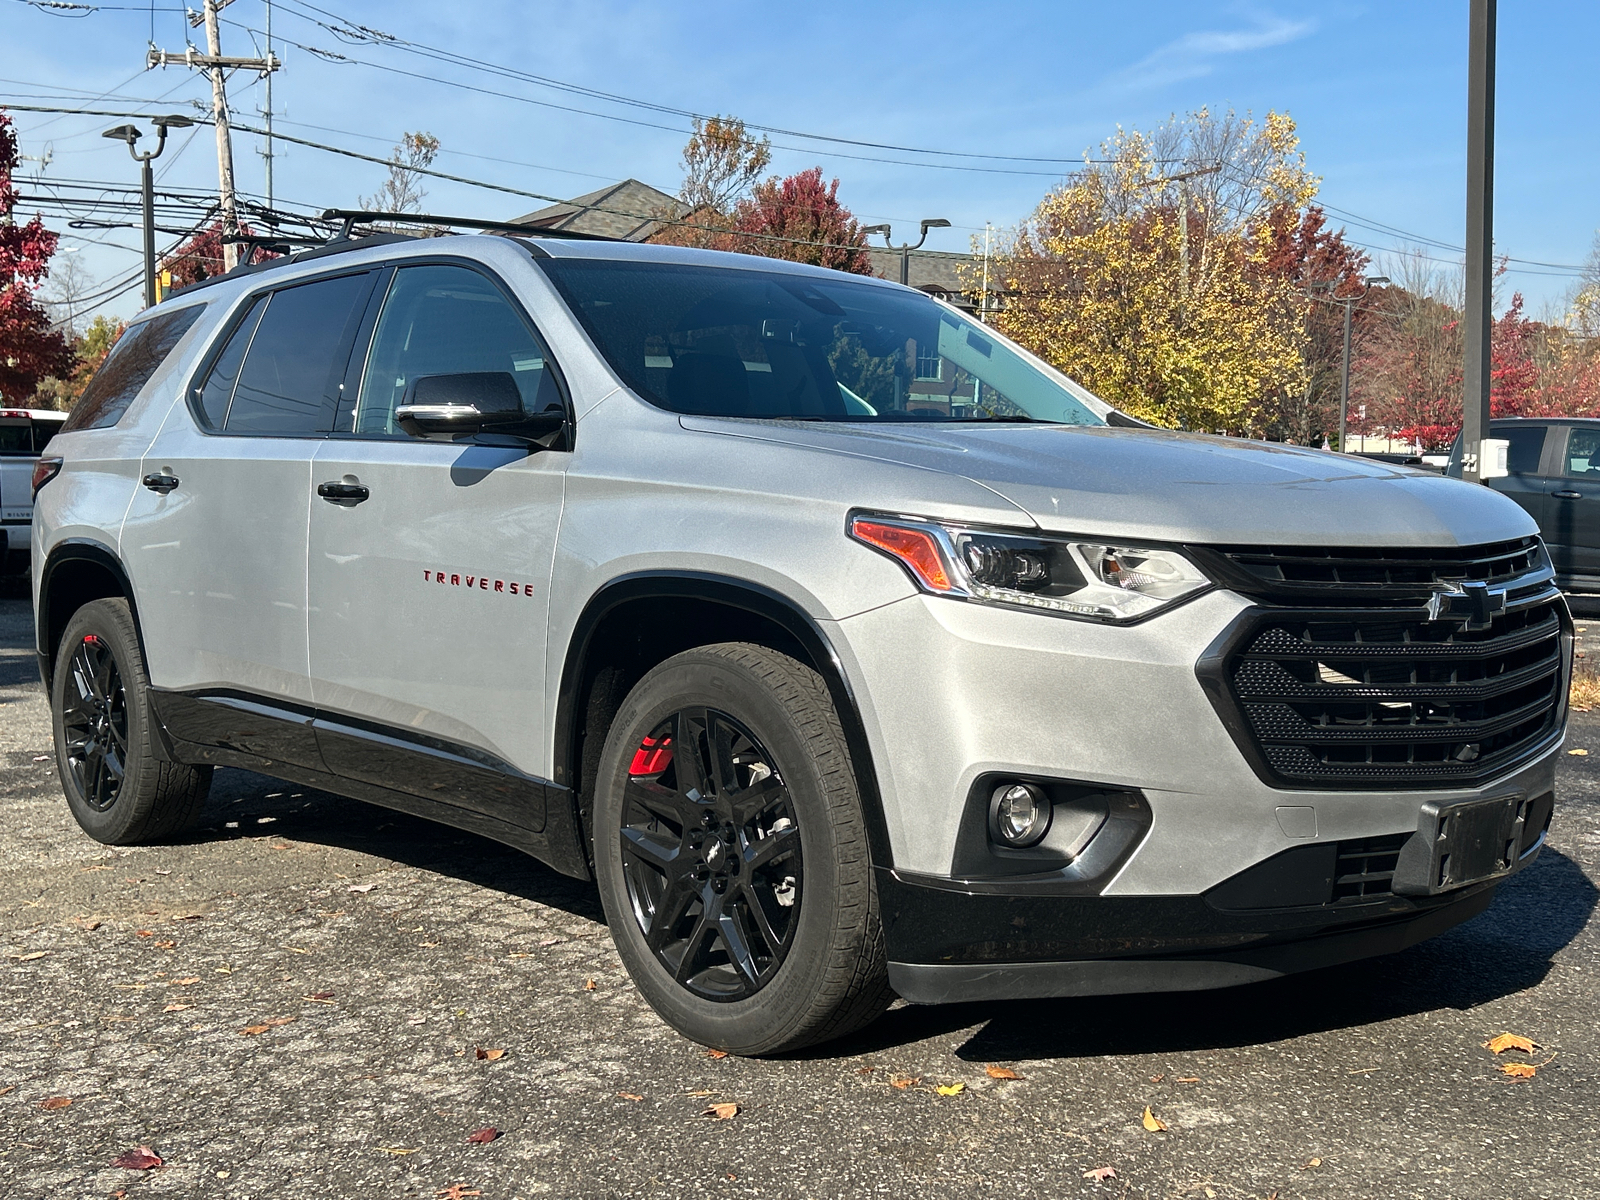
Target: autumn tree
<point x="29" y="348"/>
<point x="402" y="190"/>
<point x="721" y="164"/>
<point x="1149" y="274"/>
<point x="801" y="219"/>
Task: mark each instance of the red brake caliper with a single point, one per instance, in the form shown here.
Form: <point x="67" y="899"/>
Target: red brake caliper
<point x="652" y="757"/>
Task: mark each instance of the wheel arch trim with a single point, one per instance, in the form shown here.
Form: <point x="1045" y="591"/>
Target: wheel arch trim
<point x="728" y="591"/>
<point x="73" y="550"/>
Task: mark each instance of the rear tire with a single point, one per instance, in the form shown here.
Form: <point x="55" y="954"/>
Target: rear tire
<point x="731" y="853"/>
<point x="116" y="788"/>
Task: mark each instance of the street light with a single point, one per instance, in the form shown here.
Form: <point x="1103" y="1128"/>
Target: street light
<point x="905" y="250"/>
<point x="1349" y="302"/>
<point x="130" y="134"/>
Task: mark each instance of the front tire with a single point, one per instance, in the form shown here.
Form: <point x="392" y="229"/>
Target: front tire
<point x="116" y="788"/>
<point x="731" y="853"/>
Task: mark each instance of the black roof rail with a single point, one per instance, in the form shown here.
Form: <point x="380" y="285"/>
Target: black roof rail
<point x="352" y="217"/>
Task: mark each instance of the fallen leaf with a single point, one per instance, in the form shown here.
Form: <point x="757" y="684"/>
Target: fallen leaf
<point x="30" y="957"/>
<point x="397" y="1151"/>
<point x="549" y="941"/>
<point x="951" y="1089"/>
<point x="590" y="985"/>
<point x="865" y="1070"/>
<point x="1158" y="1078"/>
<point x="707" y="1092"/>
<point x="456" y="1191"/>
<point x="186" y="981"/>
<point x="144" y="933"/>
<point x="140" y="1159"/>
<point x="1002" y="1073"/>
<point x="1100" y="1173"/>
<point x="166" y="945"/>
<point x="1578" y="752"/>
<point x="630" y="1095"/>
<point x="176" y="1007"/>
<point x="491" y="1055"/>
<point x="1187" y="1079"/>
<point x="11" y="1088"/>
<point x="483" y="1136"/>
<point x="56" y="1102"/>
<point x="319" y="998"/>
<point x="1519" y="1070"/>
<point x="362" y="888"/>
<point x="91" y="926"/>
<point x="419" y="1019"/>
<point x="722" y="1112"/>
<point x="252" y="1030"/>
<point x="278" y="846"/>
<point x="1312" y="1165"/>
<point x="716" y="1054"/>
<point x="274" y="1021"/>
<point x="904" y="1081"/>
<point x="1509" y="1041"/>
<point x="1152" y="1122"/>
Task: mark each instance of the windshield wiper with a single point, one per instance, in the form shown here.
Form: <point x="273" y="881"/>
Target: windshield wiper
<point x="1016" y="418"/>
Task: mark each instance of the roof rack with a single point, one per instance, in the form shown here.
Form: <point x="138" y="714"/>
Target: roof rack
<point x="352" y="217"/>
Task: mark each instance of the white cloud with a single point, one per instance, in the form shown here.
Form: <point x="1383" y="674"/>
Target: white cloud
<point x="1194" y="54"/>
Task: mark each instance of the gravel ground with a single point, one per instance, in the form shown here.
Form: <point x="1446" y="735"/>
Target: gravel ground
<point x="313" y="997"/>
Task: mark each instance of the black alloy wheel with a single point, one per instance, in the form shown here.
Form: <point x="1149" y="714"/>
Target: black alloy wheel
<point x="119" y="789"/>
<point x="711" y="854"/>
<point x="95" y="722"/>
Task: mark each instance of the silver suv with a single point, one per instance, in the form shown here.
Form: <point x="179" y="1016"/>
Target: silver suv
<point x="851" y="649"/>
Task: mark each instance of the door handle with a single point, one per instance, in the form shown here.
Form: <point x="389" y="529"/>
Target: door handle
<point x="1567" y="495"/>
<point x="160" y="481"/>
<point x="339" y="492"/>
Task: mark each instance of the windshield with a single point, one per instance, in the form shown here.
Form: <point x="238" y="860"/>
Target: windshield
<point x="727" y="342"/>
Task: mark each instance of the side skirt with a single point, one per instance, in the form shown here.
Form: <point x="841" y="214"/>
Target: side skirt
<point x="454" y="785"/>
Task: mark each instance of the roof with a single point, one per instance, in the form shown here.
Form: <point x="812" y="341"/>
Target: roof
<point x="930" y="269"/>
<point x="48" y="414"/>
<point x="629" y="211"/>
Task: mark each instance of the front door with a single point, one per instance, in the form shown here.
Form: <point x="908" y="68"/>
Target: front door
<point x="216" y="539"/>
<point x="430" y="564"/>
<point x="1572" y="521"/>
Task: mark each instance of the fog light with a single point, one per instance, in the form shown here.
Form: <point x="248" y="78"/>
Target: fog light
<point x="1019" y="815"/>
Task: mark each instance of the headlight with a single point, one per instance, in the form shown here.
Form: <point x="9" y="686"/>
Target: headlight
<point x="1101" y="580"/>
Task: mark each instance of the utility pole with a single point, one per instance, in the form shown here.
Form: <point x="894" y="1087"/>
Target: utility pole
<point x="267" y="153"/>
<point x="983" y="297"/>
<point x="215" y="63"/>
<point x="1478" y="316"/>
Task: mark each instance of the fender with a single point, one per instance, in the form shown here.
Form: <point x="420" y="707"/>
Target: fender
<point x="734" y="593"/>
<point x="68" y="551"/>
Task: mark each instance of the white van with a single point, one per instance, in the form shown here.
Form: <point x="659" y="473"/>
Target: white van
<point x="24" y="433"/>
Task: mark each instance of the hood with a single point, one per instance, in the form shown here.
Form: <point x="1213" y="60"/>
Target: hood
<point x="1175" y="487"/>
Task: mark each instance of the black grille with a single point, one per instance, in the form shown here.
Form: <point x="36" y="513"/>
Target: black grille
<point x="1363" y="690"/>
<point x="1366" y="867"/>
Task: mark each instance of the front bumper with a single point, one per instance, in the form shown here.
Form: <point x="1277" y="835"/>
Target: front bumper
<point x="955" y="696"/>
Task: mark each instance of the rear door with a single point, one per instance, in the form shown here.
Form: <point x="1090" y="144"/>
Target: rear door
<point x="1528" y="462"/>
<point x="430" y="563"/>
<point x="216" y="539"/>
<point x="1572" y="524"/>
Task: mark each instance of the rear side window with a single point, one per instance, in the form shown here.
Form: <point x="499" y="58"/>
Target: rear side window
<point x="43" y="431"/>
<point x="1527" y="447"/>
<point x="1583" y="452"/>
<point x="294" y="351"/>
<point x="137" y="356"/>
<point x="16" y="437"/>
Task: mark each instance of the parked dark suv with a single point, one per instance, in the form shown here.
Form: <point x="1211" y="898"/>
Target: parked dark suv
<point x="1555" y="475"/>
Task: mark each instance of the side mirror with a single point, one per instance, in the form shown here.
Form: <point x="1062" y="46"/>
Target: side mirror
<point x="447" y="408"/>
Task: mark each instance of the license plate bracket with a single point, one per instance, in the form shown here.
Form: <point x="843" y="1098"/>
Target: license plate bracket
<point x="1461" y="843"/>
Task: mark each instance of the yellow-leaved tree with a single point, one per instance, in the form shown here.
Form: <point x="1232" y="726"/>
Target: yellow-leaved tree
<point x="1150" y="276"/>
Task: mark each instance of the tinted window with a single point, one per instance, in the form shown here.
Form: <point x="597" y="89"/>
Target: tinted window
<point x="1527" y="447"/>
<point x="217" y="393"/>
<point x="137" y="356"/>
<point x="43" y="431"/>
<point x="443" y="320"/>
<point x="1583" y="452"/>
<point x="290" y="379"/>
<point x="16" y="437"/>
<point x="750" y="343"/>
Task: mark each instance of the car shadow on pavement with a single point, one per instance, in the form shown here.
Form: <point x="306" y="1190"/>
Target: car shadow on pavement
<point x="1506" y="950"/>
<point x="244" y="805"/>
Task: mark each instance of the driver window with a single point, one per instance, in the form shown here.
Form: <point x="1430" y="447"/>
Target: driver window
<point x="446" y="320"/>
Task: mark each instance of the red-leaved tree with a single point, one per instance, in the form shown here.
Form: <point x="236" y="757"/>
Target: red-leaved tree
<point x="29" y="348"/>
<point x="801" y="219"/>
<point x="201" y="256"/>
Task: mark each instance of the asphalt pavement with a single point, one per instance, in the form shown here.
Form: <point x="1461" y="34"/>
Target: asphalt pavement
<point x="313" y="997"/>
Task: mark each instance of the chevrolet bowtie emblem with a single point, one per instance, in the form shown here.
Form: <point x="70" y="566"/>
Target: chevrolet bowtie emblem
<point x="1470" y="602"/>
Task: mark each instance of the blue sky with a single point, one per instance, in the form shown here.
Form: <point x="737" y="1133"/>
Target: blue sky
<point x="1378" y="90"/>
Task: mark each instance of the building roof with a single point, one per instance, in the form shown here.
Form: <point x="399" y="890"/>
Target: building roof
<point x="628" y="211"/>
<point x="931" y="270"/>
